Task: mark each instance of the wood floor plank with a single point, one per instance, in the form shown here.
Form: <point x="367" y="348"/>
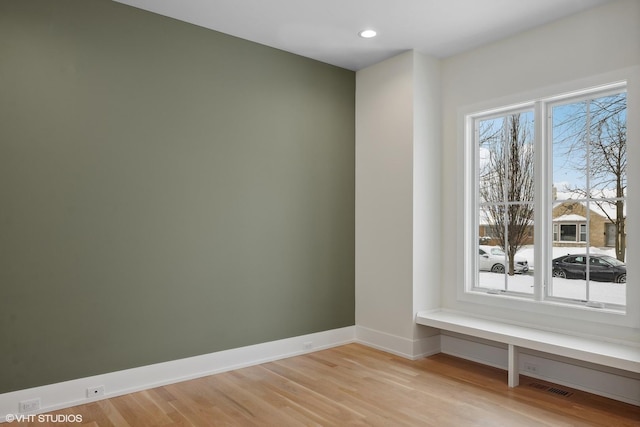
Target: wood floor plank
<point x="357" y="385"/>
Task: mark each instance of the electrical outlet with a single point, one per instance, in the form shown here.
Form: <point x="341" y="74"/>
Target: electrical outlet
<point x="530" y="367"/>
<point x="29" y="405"/>
<point x="307" y="345"/>
<point x="95" y="391"/>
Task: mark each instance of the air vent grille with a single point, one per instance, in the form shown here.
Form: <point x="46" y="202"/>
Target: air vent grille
<point x="554" y="390"/>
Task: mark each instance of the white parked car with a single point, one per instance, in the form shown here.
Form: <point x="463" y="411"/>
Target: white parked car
<point x="493" y="258"/>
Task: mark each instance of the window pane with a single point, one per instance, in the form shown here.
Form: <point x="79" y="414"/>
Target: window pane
<point x="523" y="260"/>
<point x="506" y="158"/>
<point x="568" y="150"/>
<point x="492" y="263"/>
<point x="608" y="168"/>
<point x="608" y="146"/>
<point x="520" y="157"/>
<point x="589" y="193"/>
<point x="568" y="232"/>
<point x="505" y="250"/>
<point x="505" y="189"/>
<point x="568" y="275"/>
<point x="491" y="155"/>
<point x="605" y="273"/>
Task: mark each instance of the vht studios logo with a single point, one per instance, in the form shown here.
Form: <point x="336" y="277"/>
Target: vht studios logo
<point x="44" y="418"/>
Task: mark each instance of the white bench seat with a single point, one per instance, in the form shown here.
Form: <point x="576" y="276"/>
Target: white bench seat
<point x="621" y="356"/>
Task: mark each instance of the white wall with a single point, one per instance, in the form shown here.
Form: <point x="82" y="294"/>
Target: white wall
<point x="397" y="144"/>
<point x="408" y="179"/>
<point x="427" y="215"/>
<point x="599" y="41"/>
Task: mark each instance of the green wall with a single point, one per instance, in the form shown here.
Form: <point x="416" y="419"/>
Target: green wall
<point x="165" y="191"/>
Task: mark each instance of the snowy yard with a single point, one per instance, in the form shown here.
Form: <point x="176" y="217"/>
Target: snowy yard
<point x="606" y="292"/>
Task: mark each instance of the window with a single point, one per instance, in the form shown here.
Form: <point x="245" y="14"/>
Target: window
<point x="568" y="232"/>
<point x="506" y="194"/>
<point x="550" y="181"/>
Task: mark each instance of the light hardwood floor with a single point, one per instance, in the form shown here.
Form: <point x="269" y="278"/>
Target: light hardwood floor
<point x="358" y="386"/>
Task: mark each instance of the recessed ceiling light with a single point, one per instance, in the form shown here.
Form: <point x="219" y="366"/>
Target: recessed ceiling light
<point x="367" y="34"/>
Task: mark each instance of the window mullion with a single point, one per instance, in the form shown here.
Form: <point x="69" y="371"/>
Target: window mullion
<point x="588" y="196"/>
<point x="541" y="197"/>
<point x="506" y="129"/>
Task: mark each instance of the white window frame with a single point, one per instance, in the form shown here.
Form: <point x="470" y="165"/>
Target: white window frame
<point x="537" y="304"/>
<point x="581" y="233"/>
<point x="575" y="237"/>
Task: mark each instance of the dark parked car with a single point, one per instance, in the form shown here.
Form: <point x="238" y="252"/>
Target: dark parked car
<point x="602" y="268"/>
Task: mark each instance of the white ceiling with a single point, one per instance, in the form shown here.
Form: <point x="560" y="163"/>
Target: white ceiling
<point x="327" y="30"/>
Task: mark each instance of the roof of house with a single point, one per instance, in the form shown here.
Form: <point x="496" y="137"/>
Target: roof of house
<point x="604" y="209"/>
<point x="570" y="218"/>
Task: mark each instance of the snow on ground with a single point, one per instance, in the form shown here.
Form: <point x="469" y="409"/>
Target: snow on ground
<point x="606" y="292"/>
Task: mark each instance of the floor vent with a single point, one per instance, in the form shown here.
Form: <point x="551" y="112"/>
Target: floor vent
<point x="553" y="390"/>
<point x="560" y="392"/>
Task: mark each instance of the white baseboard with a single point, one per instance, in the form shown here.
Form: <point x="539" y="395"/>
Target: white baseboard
<point x="72" y="393"/>
<point x="400" y="346"/>
<point x="608" y="382"/>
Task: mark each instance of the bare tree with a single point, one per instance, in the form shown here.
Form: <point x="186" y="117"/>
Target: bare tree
<point x="593" y="140"/>
<point x="507" y="182"/>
